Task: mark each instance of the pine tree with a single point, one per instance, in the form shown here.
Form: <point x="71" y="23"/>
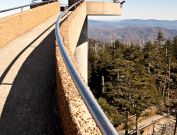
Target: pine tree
<point x="131" y="78"/>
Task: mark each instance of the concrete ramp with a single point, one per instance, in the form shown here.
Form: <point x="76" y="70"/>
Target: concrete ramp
<point x="27" y="83"/>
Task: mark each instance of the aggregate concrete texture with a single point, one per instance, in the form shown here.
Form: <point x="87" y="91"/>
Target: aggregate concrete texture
<point x="16" y="25"/>
<point x="72" y="26"/>
<point x="76" y="118"/>
<point x="74" y="23"/>
<point x="27" y="83"/>
<point x="27" y="77"/>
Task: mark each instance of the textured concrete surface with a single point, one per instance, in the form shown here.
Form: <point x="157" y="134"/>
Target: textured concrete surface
<point x="27" y="71"/>
<point x="15" y="53"/>
<point x="76" y="119"/>
<point x="27" y="84"/>
<point x="14" y="26"/>
<point x="81" y="53"/>
<point x="73" y="27"/>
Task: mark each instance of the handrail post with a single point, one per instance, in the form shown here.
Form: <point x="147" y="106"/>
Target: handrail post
<point x="21" y="9"/>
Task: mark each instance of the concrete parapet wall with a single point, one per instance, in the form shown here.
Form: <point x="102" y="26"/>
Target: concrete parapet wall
<point x="75" y="117"/>
<point x="14" y="26"/>
<point x="74" y="23"/>
<point x="72" y="27"/>
<point x="103" y="8"/>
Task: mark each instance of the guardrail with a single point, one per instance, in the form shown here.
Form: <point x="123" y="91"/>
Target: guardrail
<point x="98" y="115"/>
<point x="21" y="7"/>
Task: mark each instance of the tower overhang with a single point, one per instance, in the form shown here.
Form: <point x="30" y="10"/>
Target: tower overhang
<point x="103" y="8"/>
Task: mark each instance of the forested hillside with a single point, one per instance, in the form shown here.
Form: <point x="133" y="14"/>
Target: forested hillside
<point x="128" y="79"/>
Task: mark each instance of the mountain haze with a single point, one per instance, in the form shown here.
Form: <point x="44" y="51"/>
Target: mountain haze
<point x="135" y="30"/>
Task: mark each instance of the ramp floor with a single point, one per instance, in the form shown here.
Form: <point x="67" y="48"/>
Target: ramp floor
<point x="27" y="83"/>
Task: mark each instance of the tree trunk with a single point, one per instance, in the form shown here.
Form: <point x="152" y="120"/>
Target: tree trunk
<point x="175" y="123"/>
<point x="137" y="117"/>
<point x="169" y="67"/>
<point x="103" y="85"/>
<point x="126" y="124"/>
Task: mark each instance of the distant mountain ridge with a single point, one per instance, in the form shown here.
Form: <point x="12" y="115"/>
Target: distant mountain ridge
<point x="133" y="30"/>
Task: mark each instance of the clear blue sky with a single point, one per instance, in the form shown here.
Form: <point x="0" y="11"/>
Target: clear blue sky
<point x="137" y="9"/>
<point x="150" y="9"/>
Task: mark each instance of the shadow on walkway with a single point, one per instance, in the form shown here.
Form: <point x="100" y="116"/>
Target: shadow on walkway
<point x="30" y="108"/>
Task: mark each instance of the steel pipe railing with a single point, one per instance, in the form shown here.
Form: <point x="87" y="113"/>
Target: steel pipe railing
<point x="98" y="115"/>
<point x="21" y="7"/>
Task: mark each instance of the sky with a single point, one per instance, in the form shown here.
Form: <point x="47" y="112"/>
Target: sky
<point x="132" y="9"/>
<point x="5" y="4"/>
<point x="150" y="9"/>
<point x="147" y="9"/>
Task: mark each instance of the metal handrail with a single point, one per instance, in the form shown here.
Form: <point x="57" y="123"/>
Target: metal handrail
<point x="33" y="4"/>
<point x="98" y="115"/>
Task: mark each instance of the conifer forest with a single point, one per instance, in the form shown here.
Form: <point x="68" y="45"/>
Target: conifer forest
<point x="133" y="82"/>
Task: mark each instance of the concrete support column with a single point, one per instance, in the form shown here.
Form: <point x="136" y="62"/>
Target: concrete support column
<point x="81" y="52"/>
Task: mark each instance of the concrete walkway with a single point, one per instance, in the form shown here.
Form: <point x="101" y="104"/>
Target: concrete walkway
<point x="27" y="83"/>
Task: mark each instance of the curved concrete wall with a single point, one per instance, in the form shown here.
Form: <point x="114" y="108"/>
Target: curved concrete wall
<point x="13" y="26"/>
<point x="72" y="27"/>
<point x="73" y="24"/>
<point x="75" y="117"/>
